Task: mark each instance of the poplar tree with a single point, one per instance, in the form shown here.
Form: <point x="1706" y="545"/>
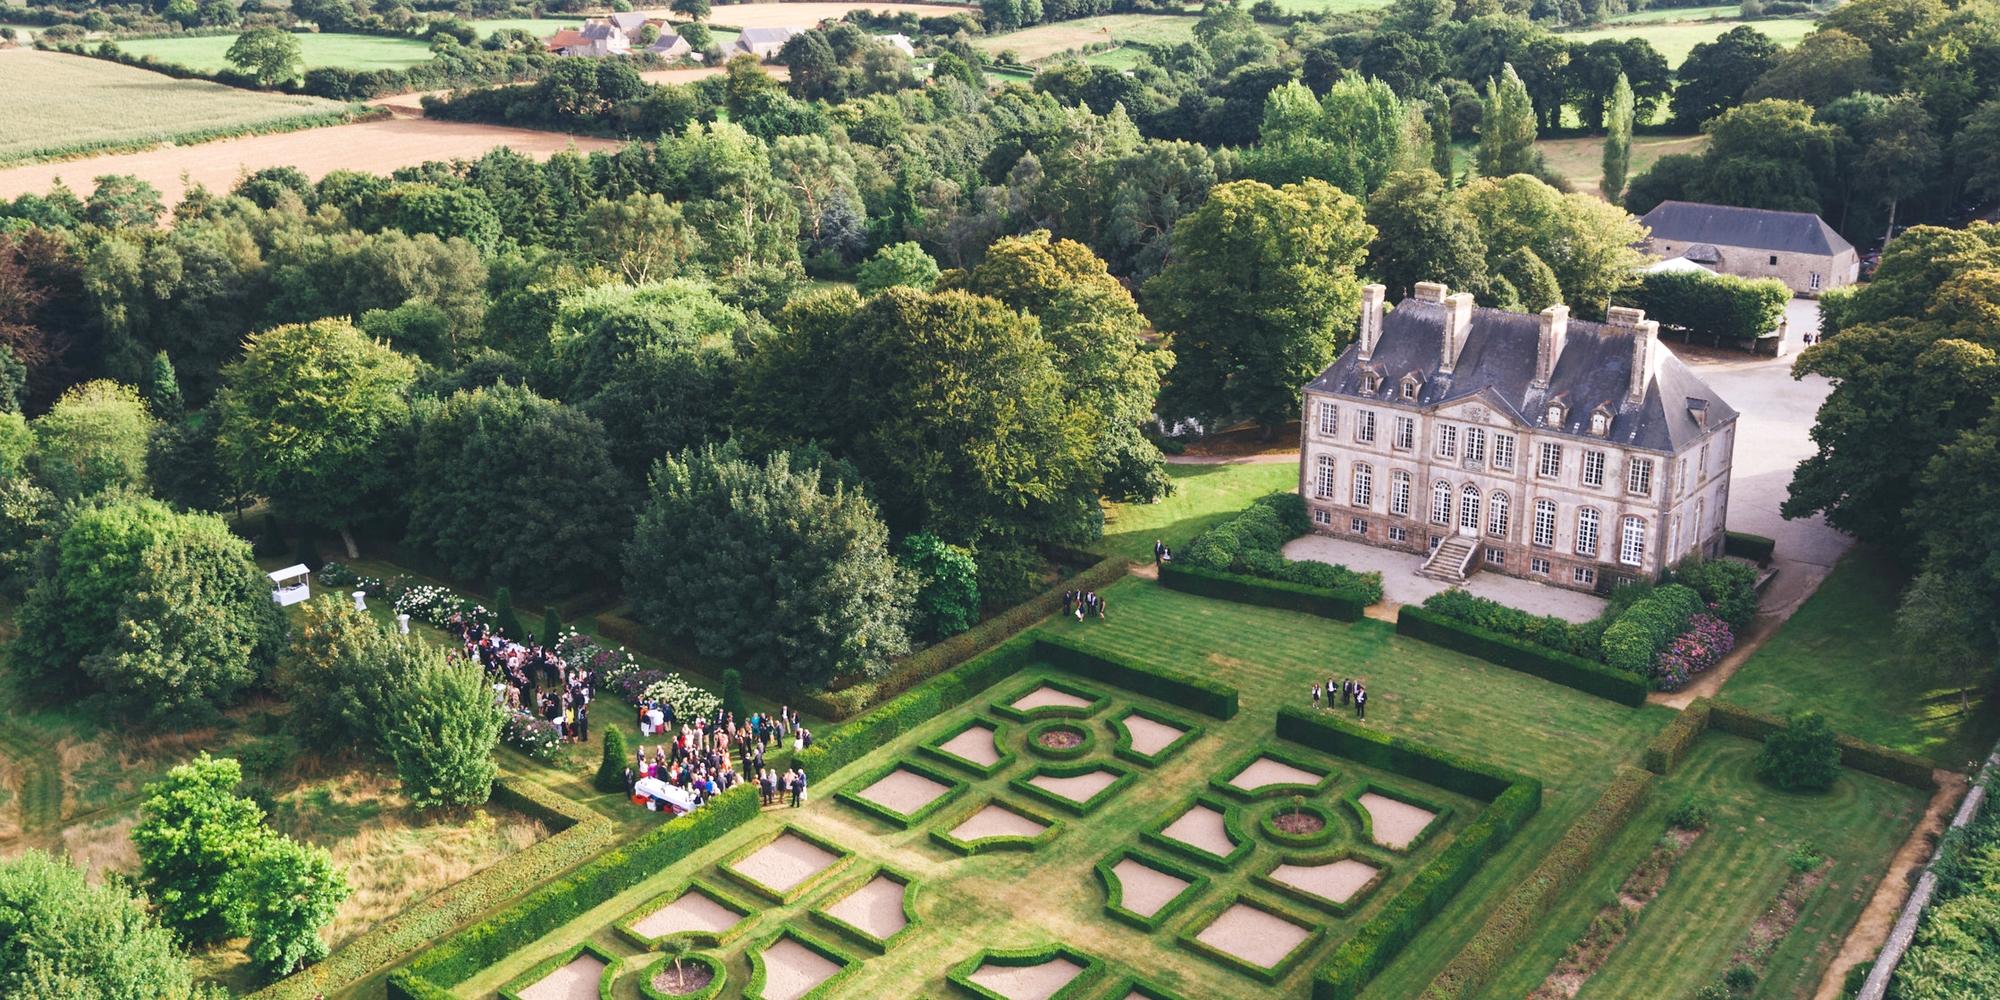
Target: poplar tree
<point x="1618" y="141"/>
<point x="1507" y="127"/>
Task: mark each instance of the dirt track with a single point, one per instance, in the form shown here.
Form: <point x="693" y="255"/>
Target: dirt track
<point x="375" y="147"/>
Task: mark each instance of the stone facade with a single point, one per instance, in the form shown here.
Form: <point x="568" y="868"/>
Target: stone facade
<point x="1797" y="248"/>
<point x="1559" y="475"/>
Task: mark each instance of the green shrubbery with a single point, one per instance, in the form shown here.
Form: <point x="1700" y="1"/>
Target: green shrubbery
<point x="1345" y="603"/>
<point x="1209" y="697"/>
<point x="1801" y="757"/>
<point x="1250" y="544"/>
<point x="1546" y="631"/>
<point x="1955" y="953"/>
<point x="1634" y="640"/>
<point x="1727" y="586"/>
<point x="1667" y="749"/>
<point x="1520" y="654"/>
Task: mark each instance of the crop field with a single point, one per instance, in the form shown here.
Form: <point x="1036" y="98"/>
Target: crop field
<point x="357" y="52"/>
<point x="1044" y="40"/>
<point x="62" y="105"/>
<point x="1675" y="40"/>
<point x="1581" y="159"/>
<point x="805" y="15"/>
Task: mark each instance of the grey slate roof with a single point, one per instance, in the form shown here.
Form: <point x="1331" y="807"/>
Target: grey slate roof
<point x="1497" y="363"/>
<point x="1756" y="228"/>
<point x="766" y="36"/>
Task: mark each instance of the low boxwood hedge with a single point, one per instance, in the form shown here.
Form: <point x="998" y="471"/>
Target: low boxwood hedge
<point x="1232" y="824"/>
<point x="1082" y="748"/>
<point x="1004" y="705"/>
<point x="1125" y="749"/>
<point x="1372" y="946"/>
<point x="1114" y="888"/>
<point x="1519" y="654"/>
<point x="718" y="970"/>
<point x="873" y="943"/>
<point x="1335" y="906"/>
<point x="986" y="845"/>
<point x="704" y="939"/>
<point x="1134" y="987"/>
<point x="1868" y="758"/>
<point x="1276" y="751"/>
<point x="961" y="974"/>
<point x="1523" y="909"/>
<point x="558" y="902"/>
<point x="1120" y="778"/>
<point x="1201" y="694"/>
<point x="1329" y="825"/>
<point x="851" y="793"/>
<point x="1670" y="745"/>
<point x="1262" y="974"/>
<point x="1340" y="603"/>
<point x="935" y="746"/>
<point x="841" y="857"/>
<point x="511" y="991"/>
<point x="853" y="740"/>
<point x="754" y="990"/>
<point x="1365" y="821"/>
<point x="1375" y="748"/>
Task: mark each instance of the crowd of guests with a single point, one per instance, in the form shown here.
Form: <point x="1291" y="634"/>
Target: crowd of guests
<point x="1338" y="693"/>
<point x="1083" y="604"/>
<point x="529" y="679"/>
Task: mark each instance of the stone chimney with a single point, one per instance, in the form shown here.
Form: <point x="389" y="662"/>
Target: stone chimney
<point x="1457" y="326"/>
<point x="1644" y="333"/>
<point x="1549" y="345"/>
<point x="1429" y="291"/>
<point x="1371" y="319"/>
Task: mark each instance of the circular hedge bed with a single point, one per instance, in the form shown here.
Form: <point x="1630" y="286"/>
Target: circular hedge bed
<point x="1298" y="825"/>
<point x="1060" y="739"/>
<point x="701" y="977"/>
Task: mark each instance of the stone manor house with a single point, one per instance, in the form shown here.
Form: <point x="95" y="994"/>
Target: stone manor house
<point x="1567" y="452"/>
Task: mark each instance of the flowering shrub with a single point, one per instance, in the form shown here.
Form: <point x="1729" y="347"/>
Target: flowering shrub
<point x="532" y="736"/>
<point x="435" y="605"/>
<point x="1702" y="646"/>
<point x="689" y="702"/>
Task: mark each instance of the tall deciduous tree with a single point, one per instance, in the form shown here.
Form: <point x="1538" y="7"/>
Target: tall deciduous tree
<point x="1507" y="128"/>
<point x="1617" y="142"/>
<point x="1423" y="234"/>
<point x="307" y="419"/>
<point x="269" y="55"/>
<point x="193" y="831"/>
<point x="1259" y="296"/>
<point x="441" y="727"/>
<point x="758" y="562"/>
<point x="67" y="938"/>
<point x="285" y="892"/>
<point x="1586" y="243"/>
<point x="1715" y="75"/>
<point x="92" y="441"/>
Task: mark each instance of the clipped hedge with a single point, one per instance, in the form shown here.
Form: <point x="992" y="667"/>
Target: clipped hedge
<point x="1671" y="745"/>
<point x="1336" y="907"/>
<point x="1124" y="747"/>
<point x="1635" y="640"/>
<point x="1120" y="778"/>
<point x="841" y="857"/>
<point x="1272" y="748"/>
<point x="1094" y="702"/>
<point x="719" y="977"/>
<point x="873" y="943"/>
<point x="1329" y="826"/>
<point x="1442" y="768"/>
<point x="851" y="794"/>
<point x="1342" y="603"/>
<point x="581" y="834"/>
<point x="1377" y="942"/>
<point x="1524" y="908"/>
<point x="626" y="928"/>
<point x="1868" y="758"/>
<point x="1086" y="739"/>
<point x="1743" y="545"/>
<point x="851" y="741"/>
<point x="935" y="746"/>
<point x="1114" y="888"/>
<point x="477" y="947"/>
<point x="1365" y="820"/>
<point x="1263" y="974"/>
<point x="754" y="990"/>
<point x="511" y="991"/>
<point x="1519" y="654"/>
<point x="985" y="845"/>
<point x="1201" y="694"/>
<point x="961" y="974"/>
<point x="1232" y="826"/>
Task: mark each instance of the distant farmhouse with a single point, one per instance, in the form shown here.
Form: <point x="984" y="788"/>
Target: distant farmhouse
<point x="1572" y="453"/>
<point x="617" y="35"/>
<point x="1797" y="248"/>
<point x="763" y="43"/>
<point x="899" y="42"/>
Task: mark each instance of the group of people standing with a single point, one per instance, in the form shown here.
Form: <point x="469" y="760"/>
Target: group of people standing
<point x="1082" y="603"/>
<point x="1338" y="693"/>
<point x="709" y="756"/>
<point x="1162" y="552"/>
<point x="519" y="670"/>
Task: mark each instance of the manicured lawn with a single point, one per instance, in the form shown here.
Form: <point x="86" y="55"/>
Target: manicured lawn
<point x="1329" y="6"/>
<point x="1685" y="937"/>
<point x="1203" y="495"/>
<point x="540" y="27"/>
<point x="1838" y="656"/>
<point x="1663" y="14"/>
<point x="1044" y="40"/>
<point x="357" y="52"/>
<point x="1676" y="40"/>
<point x="66" y="104"/>
<point x="1582" y="159"/>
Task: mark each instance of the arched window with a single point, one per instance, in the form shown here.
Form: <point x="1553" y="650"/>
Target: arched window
<point x="1364" y="486"/>
<point x="1399" y="493"/>
<point x="1632" y="542"/>
<point x="1545" y="523"/>
<point x="1497" y="508"/>
<point x="1468" y="508"/>
<point x="1440" y="502"/>
<point x="1586" y="531"/>
<point x="1323" y="478"/>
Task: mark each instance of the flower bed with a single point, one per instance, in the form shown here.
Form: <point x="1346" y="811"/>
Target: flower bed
<point x="532" y="736"/>
<point x="1702" y="646"/>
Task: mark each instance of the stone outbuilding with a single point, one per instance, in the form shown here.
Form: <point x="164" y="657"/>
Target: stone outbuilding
<point x="1797" y="248"/>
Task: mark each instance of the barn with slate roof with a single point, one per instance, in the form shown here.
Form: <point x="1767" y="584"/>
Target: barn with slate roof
<point x="1797" y="248"/>
<point x="1573" y="453"/>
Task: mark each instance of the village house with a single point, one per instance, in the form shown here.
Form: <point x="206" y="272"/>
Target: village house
<point x="1568" y="452"/>
<point x="617" y="35"/>
<point x="763" y="43"/>
<point x="1797" y="248"/>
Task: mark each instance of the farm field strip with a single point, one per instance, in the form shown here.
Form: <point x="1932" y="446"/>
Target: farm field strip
<point x="356" y="52"/>
<point x="1676" y="40"/>
<point x="1044" y="40"/>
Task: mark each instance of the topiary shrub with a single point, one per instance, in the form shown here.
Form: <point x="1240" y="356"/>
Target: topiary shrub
<point x="1804" y="756"/>
<point x="1637" y="637"/>
<point x="551" y="627"/>
<point x="1727" y="586"/>
<point x="504" y="617"/>
<point x="732" y="693"/>
<point x="611" y="770"/>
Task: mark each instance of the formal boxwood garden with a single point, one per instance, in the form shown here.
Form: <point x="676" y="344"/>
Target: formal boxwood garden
<point x="1001" y="731"/>
<point x="1278" y="751"/>
<point x="1375" y="748"/>
<point x="1232" y="823"/>
<point x="1267" y="823"/>
<point x="1201" y="694"/>
<point x="718" y="977"/>
<point x="1085" y="981"/>
<point x="1114" y="889"/>
<point x="1344" y="603"/>
<point x="1365" y="822"/>
<point x="1131" y="986"/>
<point x="1082" y="747"/>
<point x="512" y="991"/>
<point x="1190" y="731"/>
<point x="754" y="990"/>
<point x="870" y="941"/>
<point x="1096" y="701"/>
<point x="941" y="832"/>
<point x="850" y="794"/>
<point x="705" y="939"/>
<point x="1272" y="974"/>
<point x="1121" y="778"/>
<point x="1383" y="869"/>
<point x="816" y="880"/>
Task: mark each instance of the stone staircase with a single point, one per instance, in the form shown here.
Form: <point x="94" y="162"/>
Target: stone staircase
<point x="1452" y="561"/>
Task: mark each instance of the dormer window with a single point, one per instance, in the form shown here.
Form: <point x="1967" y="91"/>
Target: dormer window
<point x="1409" y="387"/>
<point x="1600" y="422"/>
<point x="1370" y="382"/>
<point x="1555" y="415"/>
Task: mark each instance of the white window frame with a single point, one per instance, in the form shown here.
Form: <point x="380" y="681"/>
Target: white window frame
<point x="1498" y="509"/>
<point x="1496" y="556"/>
<point x="1329" y="419"/>
<point x="1441" y="503"/>
<point x="1538" y="566"/>
<point x="1398" y="534"/>
<point x="1321" y="516"/>
<point x="1583" y="575"/>
<point x="1632" y="541"/>
<point x="1362" y="487"/>
<point x="1550" y="465"/>
<point x="1503" y="451"/>
<point x="1593" y="468"/>
<point x="1406" y="434"/>
<point x="1588" y="525"/>
<point x="1357" y="526"/>
<point x="1447" y="441"/>
<point x="1399" y="493"/>
<point x="1475" y="446"/>
<point x="1469" y="503"/>
<point x="1323" y="478"/>
<point x="1639" y="477"/>
<point x="1545" y="523"/>
<point x="1364" y="426"/>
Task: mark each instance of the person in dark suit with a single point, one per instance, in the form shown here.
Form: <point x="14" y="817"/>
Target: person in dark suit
<point x="1360" y="703"/>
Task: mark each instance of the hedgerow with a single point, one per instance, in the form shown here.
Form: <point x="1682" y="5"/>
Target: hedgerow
<point x="1085" y="981"/>
<point x="1429" y="625"/>
<point x="1342" y="603"/>
<point x="1671" y="745"/>
<point x="1264" y="974"/>
<point x="1868" y="758"/>
<point x="1546" y="631"/>
<point x="1374" y="748"/>
<point x="1209" y="697"/>
<point x="1635" y="639"/>
<point x="1114" y="888"/>
<point x="1250" y="544"/>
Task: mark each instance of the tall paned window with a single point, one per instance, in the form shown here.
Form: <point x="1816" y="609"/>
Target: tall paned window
<point x="1586" y="532"/>
<point x="1545" y="523"/>
<point x="1503" y="452"/>
<point x="1329" y="419"/>
<point x="1364" y="486"/>
<point x="1475" y="446"/>
<point x="1406" y="433"/>
<point x="1323" y="478"/>
<point x="1593" y="468"/>
<point x="1447" y="444"/>
<point x="1399" y="494"/>
<point x="1440" y="502"/>
<point x="1551" y="466"/>
<point x="1364" y="426"/>
<point x="1468" y="508"/>
<point x="1639" y="477"/>
<point x="1496" y="514"/>
<point x="1632" y="542"/>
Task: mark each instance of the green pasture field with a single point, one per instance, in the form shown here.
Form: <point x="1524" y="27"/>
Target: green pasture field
<point x="67" y="104"/>
<point x="1661" y="15"/>
<point x="540" y="27"/>
<point x="356" y="52"/>
<point x="1839" y="656"/>
<point x="1685" y="937"/>
<point x="1203" y="495"/>
<point x="1676" y="40"/>
<point x="1123" y="57"/>
<point x="1044" y="40"/>
<point x="1329" y="6"/>
<point x="1582" y="159"/>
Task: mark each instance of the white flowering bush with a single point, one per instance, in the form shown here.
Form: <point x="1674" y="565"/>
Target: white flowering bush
<point x="689" y="702"/>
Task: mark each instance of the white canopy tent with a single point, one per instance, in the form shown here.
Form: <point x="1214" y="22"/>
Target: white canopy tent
<point x="654" y="788"/>
<point x="291" y="585"/>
